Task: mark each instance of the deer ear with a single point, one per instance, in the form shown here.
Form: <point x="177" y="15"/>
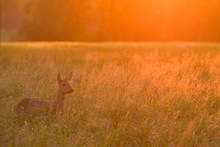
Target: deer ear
<point x="69" y="76"/>
<point x="58" y="77"/>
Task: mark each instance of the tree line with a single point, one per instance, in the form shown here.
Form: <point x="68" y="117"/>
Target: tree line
<point x="121" y="20"/>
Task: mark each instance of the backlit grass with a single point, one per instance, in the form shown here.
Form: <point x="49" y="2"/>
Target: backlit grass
<point x="125" y="94"/>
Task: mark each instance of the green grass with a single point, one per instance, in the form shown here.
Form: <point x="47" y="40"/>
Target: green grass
<point x="145" y="94"/>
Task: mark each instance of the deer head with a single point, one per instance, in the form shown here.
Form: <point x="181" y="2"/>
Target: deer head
<point x="64" y="85"/>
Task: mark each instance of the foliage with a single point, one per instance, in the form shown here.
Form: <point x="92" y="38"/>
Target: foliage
<point x="125" y="94"/>
<point x="110" y="20"/>
<point x="58" y="20"/>
<point x="9" y="6"/>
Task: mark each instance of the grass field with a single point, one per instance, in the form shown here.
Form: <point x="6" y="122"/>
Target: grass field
<point x="146" y="94"/>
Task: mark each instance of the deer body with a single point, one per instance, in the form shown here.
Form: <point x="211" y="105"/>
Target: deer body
<point x="31" y="106"/>
<point x="39" y="107"/>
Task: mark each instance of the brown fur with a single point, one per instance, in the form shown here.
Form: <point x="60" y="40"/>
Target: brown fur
<point x="32" y="106"/>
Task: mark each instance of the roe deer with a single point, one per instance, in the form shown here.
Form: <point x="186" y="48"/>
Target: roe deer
<point x="33" y="106"/>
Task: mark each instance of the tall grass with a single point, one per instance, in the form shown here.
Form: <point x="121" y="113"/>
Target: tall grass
<point x="125" y="95"/>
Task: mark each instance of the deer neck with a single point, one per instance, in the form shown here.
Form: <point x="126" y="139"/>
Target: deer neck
<point x="60" y="97"/>
<point x="58" y="104"/>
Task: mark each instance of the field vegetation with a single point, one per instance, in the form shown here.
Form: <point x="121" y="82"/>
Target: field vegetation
<point x="125" y="94"/>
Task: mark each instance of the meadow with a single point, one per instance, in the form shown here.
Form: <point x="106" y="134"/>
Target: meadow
<point x="146" y="94"/>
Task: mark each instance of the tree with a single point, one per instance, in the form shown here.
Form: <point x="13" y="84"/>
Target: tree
<point x="9" y="10"/>
<point x="51" y="20"/>
<point x="121" y="20"/>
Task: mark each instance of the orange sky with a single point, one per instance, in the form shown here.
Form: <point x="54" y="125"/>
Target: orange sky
<point x="168" y="19"/>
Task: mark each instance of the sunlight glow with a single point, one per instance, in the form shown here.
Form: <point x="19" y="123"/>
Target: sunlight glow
<point x="164" y="19"/>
